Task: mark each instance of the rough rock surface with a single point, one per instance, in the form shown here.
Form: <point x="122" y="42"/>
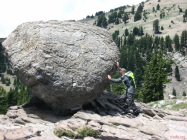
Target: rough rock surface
<point x="64" y="63"/>
<point x="35" y="124"/>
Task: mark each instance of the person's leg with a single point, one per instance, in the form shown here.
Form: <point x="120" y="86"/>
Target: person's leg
<point x="123" y="97"/>
<point x="131" y="103"/>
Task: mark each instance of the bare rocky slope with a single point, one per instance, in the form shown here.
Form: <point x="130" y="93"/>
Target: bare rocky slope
<point x="179" y="86"/>
<point x="31" y="123"/>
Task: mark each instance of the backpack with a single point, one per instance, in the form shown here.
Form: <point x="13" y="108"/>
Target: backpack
<point x="130" y="74"/>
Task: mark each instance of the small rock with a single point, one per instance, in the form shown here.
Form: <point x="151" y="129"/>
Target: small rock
<point x="179" y="102"/>
<point x="172" y="97"/>
<point x="162" y="102"/>
<point x="94" y="125"/>
<point x="169" y="106"/>
<point x="149" y="112"/>
<point x="14" y="108"/>
<point x="12" y="114"/>
<point x="159" y="106"/>
<point x="155" y="106"/>
<point x="71" y="124"/>
<point x="157" y="117"/>
<point x="21" y="133"/>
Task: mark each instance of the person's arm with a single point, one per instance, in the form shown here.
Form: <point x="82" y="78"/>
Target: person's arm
<point x="119" y="80"/>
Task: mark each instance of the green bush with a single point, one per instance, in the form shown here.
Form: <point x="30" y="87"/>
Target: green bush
<point x="85" y="132"/>
<point x="61" y="133"/>
<point x="117" y="124"/>
<point x="81" y="133"/>
<point x="184" y="93"/>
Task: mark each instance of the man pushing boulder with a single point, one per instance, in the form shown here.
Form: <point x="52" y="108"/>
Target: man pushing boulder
<point x="129" y="85"/>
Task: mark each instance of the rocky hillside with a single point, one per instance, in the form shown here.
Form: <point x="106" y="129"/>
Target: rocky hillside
<point x="39" y="124"/>
<point x="169" y="7"/>
<point x="179" y="86"/>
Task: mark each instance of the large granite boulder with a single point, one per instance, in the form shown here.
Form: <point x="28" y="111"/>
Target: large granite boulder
<point x="64" y="63"/>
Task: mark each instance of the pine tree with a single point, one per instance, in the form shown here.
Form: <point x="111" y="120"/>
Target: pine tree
<point x="123" y="58"/>
<point x="174" y="92"/>
<point x="168" y="43"/>
<point x="184" y="93"/>
<point x="137" y="16"/>
<point x="154" y="79"/>
<point x="102" y="21"/>
<point x="125" y="18"/>
<point x="115" y="36"/>
<point x="117" y="21"/>
<point x="119" y="41"/>
<point x="3" y="80"/>
<point x="11" y="98"/>
<point x="126" y="32"/>
<point x="112" y="17"/>
<point x="184" y="39"/>
<point x="125" y="41"/>
<point x="176" y="41"/>
<point x="185" y="16"/>
<point x="177" y="74"/>
<point x="162" y="43"/>
<point x="3" y="101"/>
<point x="153" y="9"/>
<point x="156" y="26"/>
<point x="131" y="39"/>
<point x="158" y="7"/>
<point x="141" y="31"/>
<point x="136" y="31"/>
<point x="139" y="71"/>
<point x="132" y="10"/>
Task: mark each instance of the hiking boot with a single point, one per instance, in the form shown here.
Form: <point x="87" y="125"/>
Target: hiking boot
<point x="137" y="112"/>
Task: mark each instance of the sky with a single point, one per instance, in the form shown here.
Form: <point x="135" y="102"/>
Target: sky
<point x="16" y="12"/>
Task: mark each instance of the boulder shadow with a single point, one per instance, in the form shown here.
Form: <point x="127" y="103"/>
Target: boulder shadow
<point x="38" y="109"/>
